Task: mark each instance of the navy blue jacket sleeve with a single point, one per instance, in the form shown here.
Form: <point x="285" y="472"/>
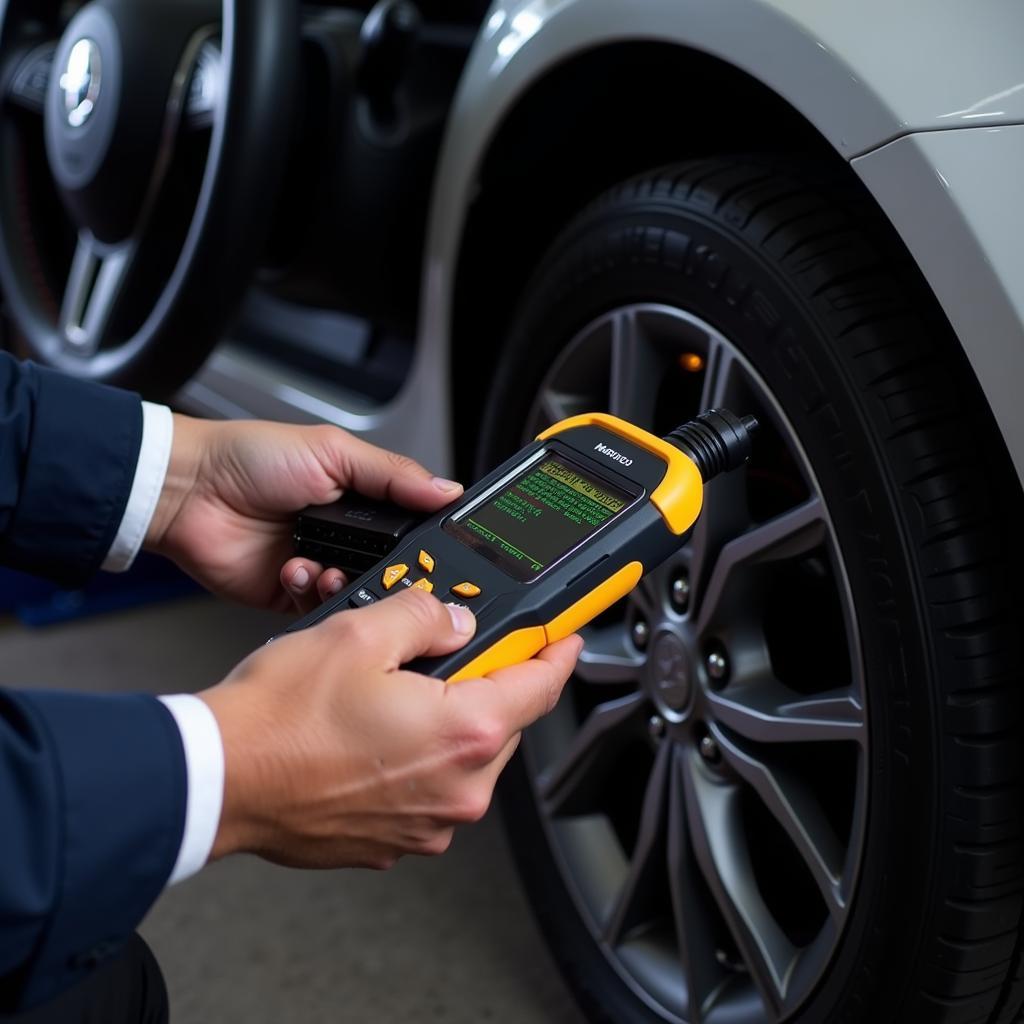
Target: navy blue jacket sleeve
<point x="92" y="813"/>
<point x="68" y="452"/>
<point x="92" y="788"/>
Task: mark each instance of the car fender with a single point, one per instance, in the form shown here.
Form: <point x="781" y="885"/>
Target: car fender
<point x="866" y="76"/>
<point x="954" y="197"/>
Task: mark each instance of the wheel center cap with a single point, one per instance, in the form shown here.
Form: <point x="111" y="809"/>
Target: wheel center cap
<point x="671" y="673"/>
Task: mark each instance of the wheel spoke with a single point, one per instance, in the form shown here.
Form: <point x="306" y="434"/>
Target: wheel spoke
<point x="650" y="592"/>
<point x="768" y="712"/>
<point x="646" y="595"/>
<point x="690" y="908"/>
<point x="719" y="842"/>
<point x="638" y="899"/>
<point x="723" y="516"/>
<point x="793" y="533"/>
<point x="93" y="290"/>
<point x="28" y="75"/>
<point x="575" y="781"/>
<point x="793" y="805"/>
<point x="722" y="375"/>
<point x="637" y="371"/>
<point x="556" y="406"/>
<point x="608" y="657"/>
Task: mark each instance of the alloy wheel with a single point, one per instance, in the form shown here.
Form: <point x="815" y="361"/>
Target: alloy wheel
<point x="703" y="781"/>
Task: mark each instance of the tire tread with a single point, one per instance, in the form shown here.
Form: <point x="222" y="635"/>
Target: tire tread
<point x="958" y="505"/>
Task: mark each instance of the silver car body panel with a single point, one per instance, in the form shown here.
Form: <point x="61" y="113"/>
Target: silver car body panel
<point x="955" y="197"/>
<point x="936" y="75"/>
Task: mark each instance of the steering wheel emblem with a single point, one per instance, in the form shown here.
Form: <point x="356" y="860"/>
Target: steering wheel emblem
<point x="81" y="82"/>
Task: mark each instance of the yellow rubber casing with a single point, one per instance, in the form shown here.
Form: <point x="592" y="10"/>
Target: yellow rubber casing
<point x="523" y="644"/>
<point x="680" y="495"/>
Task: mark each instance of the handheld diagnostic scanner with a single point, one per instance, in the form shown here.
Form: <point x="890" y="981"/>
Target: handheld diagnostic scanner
<point x="556" y="535"/>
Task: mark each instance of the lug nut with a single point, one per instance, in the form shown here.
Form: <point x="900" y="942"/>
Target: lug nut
<point x="709" y="750"/>
<point x="717" y="665"/>
<point x="680" y="593"/>
<point x="656" y="727"/>
<point x="641" y="633"/>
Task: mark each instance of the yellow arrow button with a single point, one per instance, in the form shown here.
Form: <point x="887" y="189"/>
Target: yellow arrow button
<point x="392" y="574"/>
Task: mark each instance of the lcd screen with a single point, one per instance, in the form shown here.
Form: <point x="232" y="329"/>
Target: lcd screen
<point x="539" y="517"/>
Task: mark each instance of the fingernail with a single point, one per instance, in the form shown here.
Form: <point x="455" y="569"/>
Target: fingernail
<point x="335" y="586"/>
<point x="300" y="579"/>
<point x="446" y="486"/>
<point x="462" y="619"/>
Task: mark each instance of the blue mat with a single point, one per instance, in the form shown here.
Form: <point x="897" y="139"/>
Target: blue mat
<point x="38" y="603"/>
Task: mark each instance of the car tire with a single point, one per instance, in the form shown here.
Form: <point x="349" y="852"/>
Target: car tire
<point x="797" y="269"/>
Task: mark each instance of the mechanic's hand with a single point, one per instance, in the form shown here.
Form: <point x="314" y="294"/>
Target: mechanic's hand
<point x="228" y="507"/>
<point x="335" y="757"/>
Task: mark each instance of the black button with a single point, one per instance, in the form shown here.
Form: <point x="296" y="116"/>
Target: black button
<point x="361" y="598"/>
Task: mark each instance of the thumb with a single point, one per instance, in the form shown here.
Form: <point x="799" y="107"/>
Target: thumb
<point x="410" y="624"/>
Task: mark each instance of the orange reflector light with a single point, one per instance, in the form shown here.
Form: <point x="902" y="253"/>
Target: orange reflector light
<point x="691" y="362"/>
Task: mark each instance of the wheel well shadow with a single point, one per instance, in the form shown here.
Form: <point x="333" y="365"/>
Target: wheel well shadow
<point x="590" y="123"/>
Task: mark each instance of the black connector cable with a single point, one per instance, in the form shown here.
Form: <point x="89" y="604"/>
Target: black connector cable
<point x="718" y="441"/>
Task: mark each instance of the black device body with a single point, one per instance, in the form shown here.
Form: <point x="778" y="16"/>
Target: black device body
<point x="521" y="607"/>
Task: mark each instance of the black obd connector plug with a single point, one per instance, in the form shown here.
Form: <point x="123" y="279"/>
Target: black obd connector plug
<point x="718" y="441"/>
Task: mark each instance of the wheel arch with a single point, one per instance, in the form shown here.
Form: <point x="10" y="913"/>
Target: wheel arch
<point x="534" y="137"/>
<point x="587" y="124"/>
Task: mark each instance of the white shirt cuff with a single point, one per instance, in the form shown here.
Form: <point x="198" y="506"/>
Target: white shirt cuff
<point x="150" y="473"/>
<point x="204" y="766"/>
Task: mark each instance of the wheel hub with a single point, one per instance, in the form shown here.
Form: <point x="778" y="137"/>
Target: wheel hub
<point x="671" y="676"/>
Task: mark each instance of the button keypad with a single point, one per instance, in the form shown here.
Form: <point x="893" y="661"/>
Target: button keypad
<point x="392" y="574"/>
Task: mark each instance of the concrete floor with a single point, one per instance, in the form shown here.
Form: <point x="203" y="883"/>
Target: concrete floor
<point x="444" y="940"/>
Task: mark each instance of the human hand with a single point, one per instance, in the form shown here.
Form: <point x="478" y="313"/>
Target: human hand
<point x="233" y="489"/>
<point x="337" y="757"/>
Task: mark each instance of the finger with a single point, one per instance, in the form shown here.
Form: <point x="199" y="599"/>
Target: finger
<point x="521" y="694"/>
<point x="410" y="624"/>
<point x="297" y="578"/>
<point x="388" y="476"/>
<point x="330" y="583"/>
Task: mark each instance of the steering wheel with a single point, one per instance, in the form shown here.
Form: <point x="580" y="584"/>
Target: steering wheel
<point x="162" y="127"/>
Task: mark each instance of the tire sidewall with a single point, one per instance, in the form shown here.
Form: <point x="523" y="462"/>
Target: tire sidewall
<point x="605" y="262"/>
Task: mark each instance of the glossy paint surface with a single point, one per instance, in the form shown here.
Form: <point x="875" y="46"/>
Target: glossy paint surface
<point x="938" y="75"/>
<point x="955" y="198"/>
